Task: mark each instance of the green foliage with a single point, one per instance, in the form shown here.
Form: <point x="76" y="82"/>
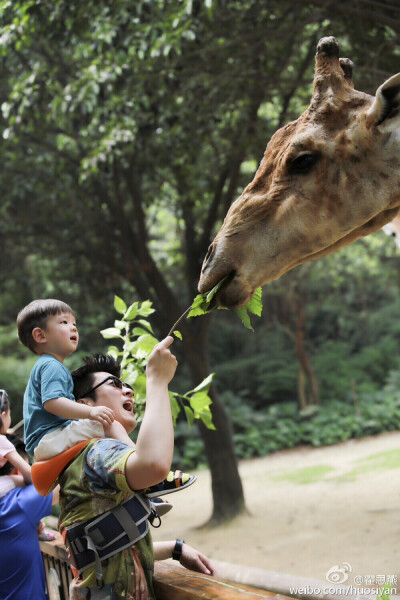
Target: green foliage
<point x="258" y="432"/>
<point x="128" y="128"/>
<point x="136" y="335"/>
<point x="202" y="304"/>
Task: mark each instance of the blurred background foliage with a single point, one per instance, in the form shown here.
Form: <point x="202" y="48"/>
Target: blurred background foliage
<point x="127" y="129"/>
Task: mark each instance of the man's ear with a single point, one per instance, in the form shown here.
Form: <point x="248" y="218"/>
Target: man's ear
<point x="385" y="109"/>
<point x="39" y="336"/>
<point x="88" y="401"/>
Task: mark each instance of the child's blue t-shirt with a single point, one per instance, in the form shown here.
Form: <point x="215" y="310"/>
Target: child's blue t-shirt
<point x="49" y="379"/>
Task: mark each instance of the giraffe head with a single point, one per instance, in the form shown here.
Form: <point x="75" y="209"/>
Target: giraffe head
<point x="325" y="180"/>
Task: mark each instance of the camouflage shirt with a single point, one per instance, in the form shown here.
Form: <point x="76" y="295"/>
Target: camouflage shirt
<point x="93" y="483"/>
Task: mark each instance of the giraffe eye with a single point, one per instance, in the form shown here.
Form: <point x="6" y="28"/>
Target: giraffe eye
<point x="303" y="163"/>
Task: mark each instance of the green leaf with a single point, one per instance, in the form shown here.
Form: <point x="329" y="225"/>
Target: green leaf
<point x="177" y="334"/>
<point x="119" y="305"/>
<point x="139" y="386"/>
<point x="175" y="409"/>
<point x="146" y="308"/>
<point x="145" y="324"/>
<point x="131" y="312"/>
<point x="243" y="315"/>
<point x="111" y="332"/>
<point x="201" y="304"/>
<point x="189" y="415"/>
<point x="200" y="401"/>
<point x="210" y="295"/>
<point x="206" y="417"/>
<point x="254" y="305"/>
<point x="205" y="384"/>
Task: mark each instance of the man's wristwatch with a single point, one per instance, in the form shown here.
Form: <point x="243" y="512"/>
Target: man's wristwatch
<point x="177" y="551"/>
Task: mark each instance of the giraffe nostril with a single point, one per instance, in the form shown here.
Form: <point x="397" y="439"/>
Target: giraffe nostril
<point x="209" y="254"/>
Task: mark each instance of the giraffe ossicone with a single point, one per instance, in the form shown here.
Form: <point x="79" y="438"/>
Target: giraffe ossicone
<point x="326" y="179"/>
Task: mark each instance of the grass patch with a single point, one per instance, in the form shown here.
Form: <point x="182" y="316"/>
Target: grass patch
<point x="388" y="459"/>
<point x="304" y="475"/>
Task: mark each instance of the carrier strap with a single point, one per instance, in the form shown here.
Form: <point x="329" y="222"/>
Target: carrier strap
<point x="95" y="540"/>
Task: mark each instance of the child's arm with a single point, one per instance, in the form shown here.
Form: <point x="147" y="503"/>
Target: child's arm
<point x="155" y="443"/>
<point x="19" y="463"/>
<point x="69" y="409"/>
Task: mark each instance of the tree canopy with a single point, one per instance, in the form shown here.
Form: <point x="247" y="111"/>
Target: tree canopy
<point x="128" y="128"/>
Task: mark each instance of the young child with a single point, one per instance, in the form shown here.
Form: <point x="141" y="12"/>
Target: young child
<point x="53" y="421"/>
<point x="8" y="452"/>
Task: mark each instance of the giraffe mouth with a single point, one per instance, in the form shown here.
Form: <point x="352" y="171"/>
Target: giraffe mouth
<point x="218" y="298"/>
<point x="234" y="291"/>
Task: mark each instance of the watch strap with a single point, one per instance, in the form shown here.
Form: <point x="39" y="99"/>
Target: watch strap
<point x="177" y="551"/>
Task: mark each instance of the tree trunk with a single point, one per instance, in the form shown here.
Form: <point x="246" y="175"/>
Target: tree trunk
<point x="301" y="388"/>
<point x="304" y="361"/>
<point x="227" y="487"/>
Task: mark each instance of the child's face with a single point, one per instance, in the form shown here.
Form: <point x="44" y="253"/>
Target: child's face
<point x="6" y="421"/>
<point x="60" y="335"/>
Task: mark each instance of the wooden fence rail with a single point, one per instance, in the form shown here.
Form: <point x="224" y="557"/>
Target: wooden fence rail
<point x="170" y="582"/>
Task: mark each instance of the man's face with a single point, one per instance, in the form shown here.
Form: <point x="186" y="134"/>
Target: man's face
<point x="119" y="400"/>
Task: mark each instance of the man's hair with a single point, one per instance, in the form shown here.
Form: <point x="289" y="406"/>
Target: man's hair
<point x="83" y="376"/>
<point x="4" y="405"/>
<point x="20" y="448"/>
<point x="35" y="314"/>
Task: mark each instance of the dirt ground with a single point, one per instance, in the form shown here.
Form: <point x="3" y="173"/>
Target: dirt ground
<point x="310" y="509"/>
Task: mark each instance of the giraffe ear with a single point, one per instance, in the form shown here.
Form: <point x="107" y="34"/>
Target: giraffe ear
<point x="385" y="110"/>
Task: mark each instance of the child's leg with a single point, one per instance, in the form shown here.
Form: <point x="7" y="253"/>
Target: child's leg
<point x="61" y="439"/>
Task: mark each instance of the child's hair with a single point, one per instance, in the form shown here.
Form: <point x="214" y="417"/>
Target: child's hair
<point x="4" y="405"/>
<point x="36" y="314"/>
<point x="83" y="376"/>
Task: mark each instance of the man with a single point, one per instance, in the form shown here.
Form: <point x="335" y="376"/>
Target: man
<point x="103" y="475"/>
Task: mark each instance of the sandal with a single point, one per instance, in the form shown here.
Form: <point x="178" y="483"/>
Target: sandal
<point x="175" y="481"/>
<point x="162" y="507"/>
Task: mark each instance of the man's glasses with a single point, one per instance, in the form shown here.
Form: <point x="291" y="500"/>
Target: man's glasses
<point x="113" y="380"/>
<point x="3" y="399"/>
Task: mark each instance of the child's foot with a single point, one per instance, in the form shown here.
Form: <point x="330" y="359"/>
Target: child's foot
<point x="162" y="507"/>
<point x="46" y="536"/>
<point x="175" y="481"/>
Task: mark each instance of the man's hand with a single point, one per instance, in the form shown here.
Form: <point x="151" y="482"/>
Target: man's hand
<point x="195" y="561"/>
<point x="161" y="364"/>
<point x="101" y="414"/>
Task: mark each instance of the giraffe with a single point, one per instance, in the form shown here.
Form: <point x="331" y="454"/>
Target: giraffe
<point x="326" y="179"/>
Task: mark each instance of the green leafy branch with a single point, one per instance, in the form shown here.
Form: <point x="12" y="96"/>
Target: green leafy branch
<point x="137" y="338"/>
<point x="202" y="304"/>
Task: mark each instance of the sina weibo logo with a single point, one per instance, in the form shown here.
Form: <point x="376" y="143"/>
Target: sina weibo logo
<point x="338" y="574"/>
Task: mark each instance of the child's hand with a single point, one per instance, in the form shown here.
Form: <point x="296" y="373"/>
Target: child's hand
<point x="101" y="414"/>
<point x="161" y="364"/>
